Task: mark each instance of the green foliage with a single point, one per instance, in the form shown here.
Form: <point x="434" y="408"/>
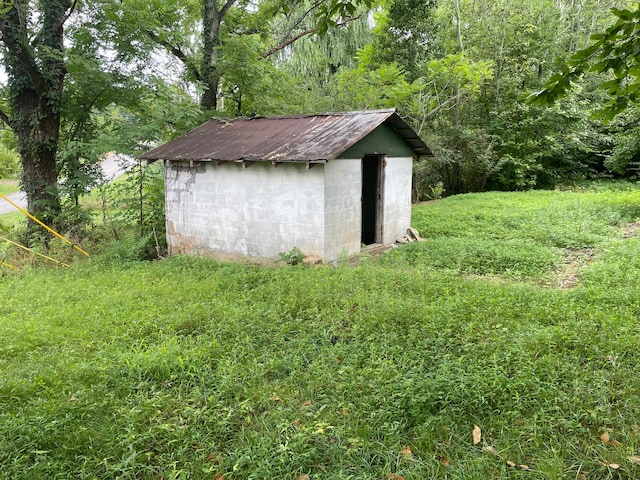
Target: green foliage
<point x="138" y="202"/>
<point x="612" y="51"/>
<point x="469" y="106"/>
<point x="625" y="154"/>
<point x="538" y="146"/>
<point x="384" y="87"/>
<point x="191" y="368"/>
<point x="9" y="157"/>
<point x="9" y="162"/>
<point x="464" y="160"/>
<point x="292" y="257"/>
<point x="406" y="33"/>
<point x="331" y="10"/>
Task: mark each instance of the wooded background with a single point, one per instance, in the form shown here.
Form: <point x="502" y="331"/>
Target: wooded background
<point x="88" y="77"/>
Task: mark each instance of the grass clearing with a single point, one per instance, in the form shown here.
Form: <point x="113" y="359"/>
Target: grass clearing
<point x="191" y="368"/>
<point x="9" y="186"/>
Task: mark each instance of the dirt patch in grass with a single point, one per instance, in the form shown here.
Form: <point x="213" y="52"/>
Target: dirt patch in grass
<point x="576" y="259"/>
<point x="569" y="276"/>
<point x="630" y="230"/>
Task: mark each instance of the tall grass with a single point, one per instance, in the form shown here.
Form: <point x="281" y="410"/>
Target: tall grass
<point x="191" y="368"/>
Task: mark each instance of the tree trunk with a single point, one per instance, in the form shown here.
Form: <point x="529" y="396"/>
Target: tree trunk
<point x="35" y="65"/>
<point x="38" y="146"/>
<point x="461" y="48"/>
<point x="211" y="18"/>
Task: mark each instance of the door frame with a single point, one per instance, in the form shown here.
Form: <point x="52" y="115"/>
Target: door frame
<point x="373" y="164"/>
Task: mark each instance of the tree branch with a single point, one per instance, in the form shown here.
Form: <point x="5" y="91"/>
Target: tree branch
<point x="300" y="35"/>
<point x="287" y="42"/>
<point x="59" y="24"/>
<point x="22" y="53"/>
<point x="225" y="8"/>
<point x="22" y="21"/>
<point x="191" y="67"/>
<point x="303" y="16"/>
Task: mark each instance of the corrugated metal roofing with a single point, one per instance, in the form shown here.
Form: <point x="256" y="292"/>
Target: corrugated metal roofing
<point x="306" y="138"/>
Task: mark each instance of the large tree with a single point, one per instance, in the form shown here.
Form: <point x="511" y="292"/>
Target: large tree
<point x="32" y="40"/>
<point x="203" y="35"/>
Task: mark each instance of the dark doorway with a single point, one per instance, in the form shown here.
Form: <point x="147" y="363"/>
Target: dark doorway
<point x="372" y="182"/>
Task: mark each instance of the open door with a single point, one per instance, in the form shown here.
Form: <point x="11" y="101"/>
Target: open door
<point x="372" y="198"/>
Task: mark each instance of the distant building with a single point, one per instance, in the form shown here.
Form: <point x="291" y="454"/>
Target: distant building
<point x="326" y="184"/>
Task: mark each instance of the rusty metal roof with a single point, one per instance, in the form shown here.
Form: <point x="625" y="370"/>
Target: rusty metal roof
<point x="305" y="138"/>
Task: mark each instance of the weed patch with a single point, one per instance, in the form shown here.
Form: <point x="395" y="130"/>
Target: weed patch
<point x="192" y="368"/>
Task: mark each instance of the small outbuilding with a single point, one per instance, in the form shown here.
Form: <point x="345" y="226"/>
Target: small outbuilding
<point x="327" y="184"/>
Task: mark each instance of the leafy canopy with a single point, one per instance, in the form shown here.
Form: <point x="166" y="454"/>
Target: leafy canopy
<point x="615" y="51"/>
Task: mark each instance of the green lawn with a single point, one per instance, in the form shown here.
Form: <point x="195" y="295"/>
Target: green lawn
<point x="8" y="186"/>
<point x="518" y="314"/>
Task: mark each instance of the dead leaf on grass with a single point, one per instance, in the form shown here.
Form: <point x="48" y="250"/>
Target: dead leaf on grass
<point x="613" y="466"/>
<point x="306" y="404"/>
<point x="477" y="435"/>
<point x="219" y="476"/>
<point x="522" y="466"/>
<point x="394" y="476"/>
<point x="606" y="439"/>
<point x="443" y="460"/>
<point x="406" y="451"/>
<point x="634" y="459"/>
<point x="490" y="449"/>
<point x="303" y="476"/>
<point x="73" y="398"/>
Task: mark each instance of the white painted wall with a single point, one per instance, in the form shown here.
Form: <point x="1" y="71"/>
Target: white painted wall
<point x="397" y="199"/>
<point x="343" y="189"/>
<point x="261" y="211"/>
<point x="258" y="211"/>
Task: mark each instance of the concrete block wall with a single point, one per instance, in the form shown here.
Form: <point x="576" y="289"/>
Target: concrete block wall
<point x="397" y="198"/>
<point x="262" y="210"/>
<point x="258" y="211"/>
<point x="343" y="189"/>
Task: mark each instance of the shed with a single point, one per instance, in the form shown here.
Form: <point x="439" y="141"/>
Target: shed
<point x="327" y="184"/>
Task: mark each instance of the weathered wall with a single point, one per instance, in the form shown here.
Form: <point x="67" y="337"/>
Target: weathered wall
<point x="258" y="211"/>
<point x="397" y="198"/>
<point x="261" y="211"/>
<point x="343" y="189"/>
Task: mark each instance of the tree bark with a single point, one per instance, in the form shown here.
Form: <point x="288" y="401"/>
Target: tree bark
<point x="461" y="48"/>
<point x="38" y="147"/>
<point x="212" y="18"/>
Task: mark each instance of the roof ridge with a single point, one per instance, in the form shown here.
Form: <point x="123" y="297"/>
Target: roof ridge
<point x="307" y="115"/>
